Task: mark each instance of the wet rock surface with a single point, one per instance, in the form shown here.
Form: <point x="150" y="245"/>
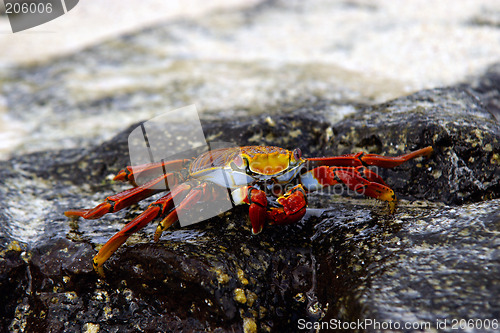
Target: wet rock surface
<point x="463" y="132"/>
<point x="435" y="258"/>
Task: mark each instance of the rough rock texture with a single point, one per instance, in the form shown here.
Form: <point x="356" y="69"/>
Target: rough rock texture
<point x="435" y="258"/>
<point x="463" y="132"/>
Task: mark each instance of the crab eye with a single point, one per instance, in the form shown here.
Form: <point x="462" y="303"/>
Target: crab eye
<point x="297" y="154"/>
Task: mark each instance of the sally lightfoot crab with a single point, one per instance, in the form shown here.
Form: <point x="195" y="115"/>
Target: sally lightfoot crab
<point x="273" y="181"/>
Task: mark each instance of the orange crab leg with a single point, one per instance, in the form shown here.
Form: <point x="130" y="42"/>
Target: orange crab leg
<point x="193" y="196"/>
<point x="150" y="170"/>
<point x="123" y="199"/>
<point x="370" y="175"/>
<point x="370" y="185"/>
<point x="362" y="159"/>
<point x="353" y="179"/>
<point x="155" y="210"/>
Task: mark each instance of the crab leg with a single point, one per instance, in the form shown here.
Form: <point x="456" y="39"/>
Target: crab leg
<point x="155" y="210"/>
<point x="124" y="199"/>
<point x="193" y="196"/>
<point x="363" y="159"/>
<point x="150" y="170"/>
<point x="358" y="179"/>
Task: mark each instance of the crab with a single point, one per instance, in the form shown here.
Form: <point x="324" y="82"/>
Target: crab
<point x="273" y="181"/>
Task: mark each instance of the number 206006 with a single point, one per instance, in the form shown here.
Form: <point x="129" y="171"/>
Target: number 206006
<point x="24" y="8"/>
<point x="464" y="324"/>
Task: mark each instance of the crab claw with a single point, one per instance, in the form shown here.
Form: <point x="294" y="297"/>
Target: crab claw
<point x="292" y="207"/>
<point x="257" y="209"/>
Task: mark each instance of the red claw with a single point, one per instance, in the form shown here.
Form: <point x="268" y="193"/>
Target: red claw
<point x="257" y="209"/>
<point x="293" y="207"/>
